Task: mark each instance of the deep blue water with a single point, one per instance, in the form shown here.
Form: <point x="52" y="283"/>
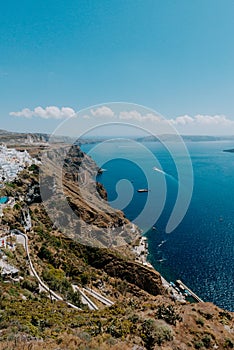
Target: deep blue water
<point x="200" y="250"/>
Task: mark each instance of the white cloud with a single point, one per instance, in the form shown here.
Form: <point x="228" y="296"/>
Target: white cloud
<point x="26" y="113"/>
<point x="185" y="124"/>
<point x="50" y="112"/>
<point x="103" y="111"/>
<point x="135" y="115"/>
<point x="214" y="120"/>
<point x="183" y="120"/>
<point x="202" y="120"/>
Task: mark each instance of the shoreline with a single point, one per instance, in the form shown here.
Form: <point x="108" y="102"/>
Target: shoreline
<point x="141" y="252"/>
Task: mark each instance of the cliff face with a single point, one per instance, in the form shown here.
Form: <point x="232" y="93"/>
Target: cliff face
<point x="11" y="138"/>
<point x="118" y="266"/>
<point x="91" y="221"/>
<point x="138" y="275"/>
<point x="30" y="139"/>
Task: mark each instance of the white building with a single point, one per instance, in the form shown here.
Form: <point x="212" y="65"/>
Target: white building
<point x="12" y="162"/>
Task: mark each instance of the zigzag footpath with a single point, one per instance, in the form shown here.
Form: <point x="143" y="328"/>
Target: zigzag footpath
<point x="41" y="283"/>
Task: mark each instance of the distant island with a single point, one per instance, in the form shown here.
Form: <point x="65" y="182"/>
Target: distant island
<point x="186" y="138"/>
<point x="229" y="150"/>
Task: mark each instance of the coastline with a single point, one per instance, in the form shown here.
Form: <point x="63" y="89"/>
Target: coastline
<point x="198" y="272"/>
<point x="140" y="249"/>
<point x="141" y="252"/>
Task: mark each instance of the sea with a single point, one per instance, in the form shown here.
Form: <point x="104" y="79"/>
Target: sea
<point x="200" y="250"/>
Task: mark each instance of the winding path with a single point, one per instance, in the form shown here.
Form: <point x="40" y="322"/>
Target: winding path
<point x="99" y="297"/>
<point x="91" y="305"/>
<point x="41" y="283"/>
<point x="86" y="299"/>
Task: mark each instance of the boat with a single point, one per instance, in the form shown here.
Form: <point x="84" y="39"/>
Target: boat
<point x="142" y="190"/>
<point x="187" y="293"/>
<point x="159" y="170"/>
<point x="100" y="171"/>
<point x="160" y="244"/>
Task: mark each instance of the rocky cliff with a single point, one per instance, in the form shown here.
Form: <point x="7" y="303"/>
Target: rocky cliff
<point x="82" y="210"/>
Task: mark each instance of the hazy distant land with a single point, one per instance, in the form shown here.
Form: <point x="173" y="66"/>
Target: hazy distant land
<point x="229" y="150"/>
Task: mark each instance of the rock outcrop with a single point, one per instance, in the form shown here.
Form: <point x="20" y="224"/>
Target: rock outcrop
<point x="82" y="210"/>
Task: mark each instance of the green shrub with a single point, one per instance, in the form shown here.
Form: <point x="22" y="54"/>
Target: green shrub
<point x="57" y="281"/>
<point x="75" y="298"/>
<point x="207" y="340"/>
<point x="198" y="344"/>
<point x="228" y="344"/>
<point x="206" y="315"/>
<point x="17" y="206"/>
<point x="120" y="328"/>
<point x="34" y="168"/>
<point x="10" y="184"/>
<point x="84" y="278"/>
<point x="45" y="253"/>
<point x="168" y="314"/>
<point x="200" y="322"/>
<point x="30" y="284"/>
<point x="155" y="333"/>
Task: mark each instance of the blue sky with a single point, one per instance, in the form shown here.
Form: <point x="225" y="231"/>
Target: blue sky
<point x="174" y="56"/>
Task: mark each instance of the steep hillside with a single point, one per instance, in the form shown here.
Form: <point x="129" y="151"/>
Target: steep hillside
<point x="141" y="313"/>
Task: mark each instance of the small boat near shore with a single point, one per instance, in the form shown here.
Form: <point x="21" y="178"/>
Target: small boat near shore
<point x="160" y="244"/>
<point x="141" y="190"/>
<point x="100" y="171"/>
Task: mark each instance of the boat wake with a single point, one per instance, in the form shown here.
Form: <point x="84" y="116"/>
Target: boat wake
<point x="159" y="170"/>
<point x="164" y="173"/>
<point x="160" y="244"/>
